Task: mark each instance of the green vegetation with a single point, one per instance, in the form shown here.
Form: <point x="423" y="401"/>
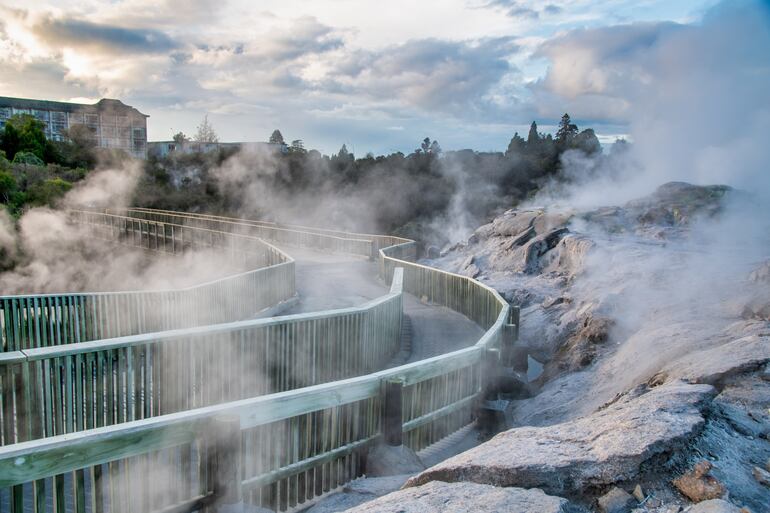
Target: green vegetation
<point x="415" y="195"/>
<point x="411" y="195"/>
<point x="35" y="171"/>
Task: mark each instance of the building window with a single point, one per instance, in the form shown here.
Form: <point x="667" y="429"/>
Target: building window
<point x="92" y="119"/>
<point x="76" y="118"/>
<point x="5" y="112"/>
<point x="138" y="133"/>
<point x="58" y="127"/>
<point x="124" y="132"/>
<point x="40" y="114"/>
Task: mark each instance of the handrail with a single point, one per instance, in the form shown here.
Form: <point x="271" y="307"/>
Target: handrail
<point x="299" y="443"/>
<point x="35" y="320"/>
<point x="340" y="242"/>
<point x="160" y="369"/>
<point x="303" y="228"/>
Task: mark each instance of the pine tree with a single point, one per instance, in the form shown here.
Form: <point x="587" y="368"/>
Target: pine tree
<point x="567" y="130"/>
<point x="343" y="153"/>
<point x="533" y="138"/>
<point x="517" y="145"/>
<point x="276" y="137"/>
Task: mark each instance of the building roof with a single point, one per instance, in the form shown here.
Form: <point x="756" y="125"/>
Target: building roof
<point x="103" y="105"/>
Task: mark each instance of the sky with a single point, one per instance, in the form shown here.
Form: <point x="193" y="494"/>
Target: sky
<point x="376" y="76"/>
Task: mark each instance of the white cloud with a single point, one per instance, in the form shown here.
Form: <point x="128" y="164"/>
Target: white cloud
<point x="435" y="67"/>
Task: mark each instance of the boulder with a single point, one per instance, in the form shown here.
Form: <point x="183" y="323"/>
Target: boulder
<point x="514" y="222"/>
<point x="616" y="500"/>
<point x="601" y="448"/>
<point x="697" y="485"/>
<point x="581" y="348"/>
<point x="715" y="506"/>
<point x="536" y="248"/>
<point x="438" y="497"/>
<point x="716" y="364"/>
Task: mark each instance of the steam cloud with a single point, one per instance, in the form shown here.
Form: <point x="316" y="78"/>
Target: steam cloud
<point x="57" y="256"/>
<point x="700" y="116"/>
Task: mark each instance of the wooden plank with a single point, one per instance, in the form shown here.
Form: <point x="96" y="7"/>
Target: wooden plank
<point x="306" y="464"/>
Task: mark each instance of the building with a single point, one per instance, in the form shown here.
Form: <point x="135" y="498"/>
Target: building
<point x="165" y="148"/>
<point x="112" y="123"/>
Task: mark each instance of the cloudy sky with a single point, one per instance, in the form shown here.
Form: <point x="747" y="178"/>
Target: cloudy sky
<point x="378" y="76"/>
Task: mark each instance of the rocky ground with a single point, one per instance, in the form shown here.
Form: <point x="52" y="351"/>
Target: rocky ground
<point x="651" y="322"/>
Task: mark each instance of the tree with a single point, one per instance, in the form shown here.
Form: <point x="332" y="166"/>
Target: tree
<point x="517" y="145"/>
<point x="206" y="132"/>
<point x="180" y="138"/>
<point x="425" y="146"/>
<point x="343" y="153"/>
<point x="47" y="192"/>
<point x="80" y="148"/>
<point x="533" y="139"/>
<point x="7" y="186"/>
<point x="567" y="131"/>
<point x="276" y="137"/>
<point x="434" y="149"/>
<point x="297" y="146"/>
<point x="23" y="132"/>
<point x="28" y="158"/>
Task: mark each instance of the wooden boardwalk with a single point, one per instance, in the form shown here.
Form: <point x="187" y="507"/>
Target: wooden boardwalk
<point x="275" y="445"/>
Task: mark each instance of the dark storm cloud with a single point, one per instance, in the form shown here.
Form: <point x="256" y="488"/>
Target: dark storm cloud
<point x="108" y="38"/>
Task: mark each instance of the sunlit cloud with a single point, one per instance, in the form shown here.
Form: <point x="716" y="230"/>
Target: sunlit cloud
<point x="467" y="64"/>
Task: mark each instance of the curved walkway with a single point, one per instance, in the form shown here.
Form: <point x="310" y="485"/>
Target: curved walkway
<point x="440" y="392"/>
<point x="326" y="281"/>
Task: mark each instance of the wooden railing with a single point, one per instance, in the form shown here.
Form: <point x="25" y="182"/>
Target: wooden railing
<point x="63" y="389"/>
<point x="290" y="235"/>
<point x="41" y="320"/>
<point x="282" y="448"/>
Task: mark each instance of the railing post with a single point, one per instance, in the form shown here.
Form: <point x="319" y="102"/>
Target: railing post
<point x="226" y="464"/>
<point x="513" y="318"/>
<point x="491" y="371"/>
<point x="513" y="356"/>
<point x="392" y="414"/>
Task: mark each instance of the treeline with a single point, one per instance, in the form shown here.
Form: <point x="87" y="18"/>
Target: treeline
<point x="416" y="195"/>
<point x="424" y="194"/>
